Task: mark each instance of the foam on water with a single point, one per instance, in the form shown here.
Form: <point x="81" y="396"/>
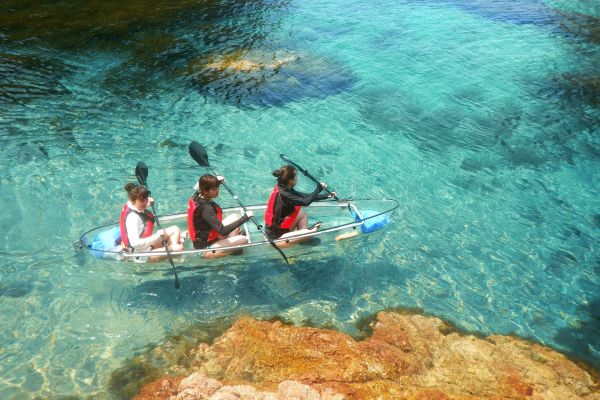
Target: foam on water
<point x="472" y="114"/>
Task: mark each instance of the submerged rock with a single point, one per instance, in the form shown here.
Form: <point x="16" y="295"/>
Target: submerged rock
<point x="578" y="87"/>
<point x="406" y="357"/>
<point x="238" y="63"/>
<point x="263" y="78"/>
<point x="73" y="24"/>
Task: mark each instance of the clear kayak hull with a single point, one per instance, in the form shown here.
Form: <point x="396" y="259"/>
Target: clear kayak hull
<point x="341" y="220"/>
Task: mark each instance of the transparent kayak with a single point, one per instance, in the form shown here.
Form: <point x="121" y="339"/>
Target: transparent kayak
<point x="340" y="220"/>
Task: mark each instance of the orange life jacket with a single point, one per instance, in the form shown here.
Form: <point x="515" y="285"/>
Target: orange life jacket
<point x="192" y="205"/>
<point x="287" y="221"/>
<point x="147" y="218"/>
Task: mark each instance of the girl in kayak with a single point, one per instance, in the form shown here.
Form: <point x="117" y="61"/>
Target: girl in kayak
<point x="283" y="217"/>
<point x="137" y="223"/>
<point x="206" y="225"/>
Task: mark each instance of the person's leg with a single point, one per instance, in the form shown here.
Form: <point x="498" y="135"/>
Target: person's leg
<point x="301" y="221"/>
<point x="174" y="238"/>
<point x="228" y="242"/>
<point x="292" y="238"/>
<point x="172" y="234"/>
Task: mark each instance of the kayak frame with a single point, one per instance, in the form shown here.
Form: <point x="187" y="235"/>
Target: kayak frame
<point x="130" y="256"/>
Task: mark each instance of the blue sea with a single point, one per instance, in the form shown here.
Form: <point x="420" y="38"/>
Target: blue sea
<point x="482" y="118"/>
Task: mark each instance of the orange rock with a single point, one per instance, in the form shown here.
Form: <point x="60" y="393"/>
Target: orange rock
<point x="159" y="389"/>
<point x="515" y="384"/>
<point x="407" y="357"/>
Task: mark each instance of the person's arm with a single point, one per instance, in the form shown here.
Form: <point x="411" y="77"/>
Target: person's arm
<point x="295" y="198"/>
<point x="132" y="224"/>
<point x="208" y="214"/>
<point x="323" y="196"/>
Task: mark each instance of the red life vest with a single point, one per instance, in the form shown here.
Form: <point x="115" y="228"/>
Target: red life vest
<point x="288" y="220"/>
<point x="192" y="205"/>
<point x="146" y="216"/>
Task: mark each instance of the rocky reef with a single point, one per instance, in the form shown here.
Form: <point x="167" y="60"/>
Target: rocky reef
<point x="250" y="78"/>
<point x="405" y="357"/>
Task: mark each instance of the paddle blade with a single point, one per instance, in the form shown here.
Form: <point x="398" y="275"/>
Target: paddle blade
<point x="141" y="173"/>
<point x="285" y="158"/>
<point x="198" y="153"/>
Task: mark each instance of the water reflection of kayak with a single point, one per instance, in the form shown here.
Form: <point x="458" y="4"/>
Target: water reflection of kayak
<point x="341" y="220"/>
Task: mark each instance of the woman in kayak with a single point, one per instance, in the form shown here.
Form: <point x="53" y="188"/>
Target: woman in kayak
<point x="206" y="225"/>
<point x="284" y="217"/>
<point x="137" y="224"/>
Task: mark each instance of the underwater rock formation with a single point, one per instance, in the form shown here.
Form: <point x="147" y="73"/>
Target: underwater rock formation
<point x="74" y="24"/>
<point x="580" y="88"/>
<point x="262" y="78"/>
<point x="405" y="357"/>
<point x="237" y="62"/>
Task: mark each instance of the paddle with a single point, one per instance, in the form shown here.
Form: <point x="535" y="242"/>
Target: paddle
<point x="199" y="154"/>
<point x="305" y="172"/>
<point x="141" y="173"/>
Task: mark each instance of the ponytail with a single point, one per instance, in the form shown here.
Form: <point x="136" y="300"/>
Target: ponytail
<point x="285" y="174"/>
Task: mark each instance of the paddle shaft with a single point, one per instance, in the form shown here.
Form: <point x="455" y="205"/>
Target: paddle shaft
<point x="141" y="174"/>
<point x="305" y="173"/>
<point x="166" y="244"/>
<point x="258" y="226"/>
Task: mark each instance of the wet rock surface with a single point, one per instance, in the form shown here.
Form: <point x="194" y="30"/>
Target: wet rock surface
<point x="405" y="357"/>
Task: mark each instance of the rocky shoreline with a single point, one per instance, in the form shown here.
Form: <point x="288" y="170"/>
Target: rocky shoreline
<point x="406" y="357"/>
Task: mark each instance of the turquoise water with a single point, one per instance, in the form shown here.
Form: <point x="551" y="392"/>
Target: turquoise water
<point x="481" y="118"/>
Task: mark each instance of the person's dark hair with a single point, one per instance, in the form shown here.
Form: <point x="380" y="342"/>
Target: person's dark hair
<point x="285" y="174"/>
<point x="136" y="192"/>
<point x="207" y="182"/>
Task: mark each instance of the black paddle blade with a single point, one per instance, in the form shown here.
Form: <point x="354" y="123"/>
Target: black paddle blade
<point x="285" y="158"/>
<point x="141" y="173"/>
<point x="198" y="153"/>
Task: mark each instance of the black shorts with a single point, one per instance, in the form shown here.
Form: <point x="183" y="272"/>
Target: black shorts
<point x="275" y="233"/>
<point x="202" y="245"/>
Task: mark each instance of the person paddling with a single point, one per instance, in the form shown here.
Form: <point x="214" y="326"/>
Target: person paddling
<point x="284" y="217"/>
<point x="206" y="225"/>
<point x="137" y="223"/>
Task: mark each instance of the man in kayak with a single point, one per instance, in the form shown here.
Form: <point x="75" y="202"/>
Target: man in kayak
<point x="284" y="217"/>
<point x="206" y="225"/>
<point x="137" y="223"/>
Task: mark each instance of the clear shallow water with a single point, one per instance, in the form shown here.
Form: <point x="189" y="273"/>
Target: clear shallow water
<point x="482" y="119"/>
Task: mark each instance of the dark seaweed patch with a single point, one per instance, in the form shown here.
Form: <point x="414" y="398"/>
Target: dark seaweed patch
<point x="154" y="59"/>
<point x="75" y="24"/>
<point x="581" y="25"/>
<point x="28" y="152"/>
<point x="15" y="289"/>
<point x="580" y="340"/>
<point x="561" y="259"/>
<point x="27" y="77"/>
<point x="580" y="87"/>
